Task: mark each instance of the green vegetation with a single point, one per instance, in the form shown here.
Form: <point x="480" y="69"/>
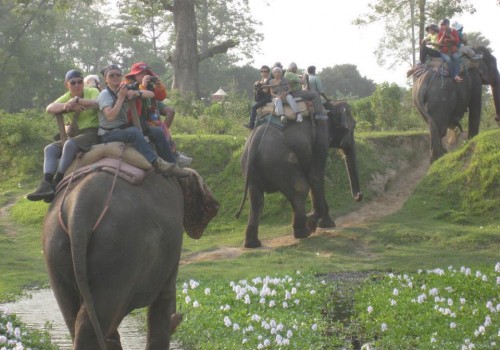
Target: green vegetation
<point x="448" y="221"/>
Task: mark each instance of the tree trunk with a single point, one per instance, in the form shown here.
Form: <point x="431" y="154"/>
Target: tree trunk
<point x="185" y="59"/>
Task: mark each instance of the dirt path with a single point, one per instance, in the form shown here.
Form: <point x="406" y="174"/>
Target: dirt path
<point x="6" y="224"/>
<point x="396" y="189"/>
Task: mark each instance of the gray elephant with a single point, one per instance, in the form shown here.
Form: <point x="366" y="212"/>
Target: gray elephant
<point x="443" y="102"/>
<point x="107" y="258"/>
<point x="292" y="160"/>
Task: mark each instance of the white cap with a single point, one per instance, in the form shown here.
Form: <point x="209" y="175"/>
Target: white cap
<point x="91" y="81"/>
<point x="457" y="25"/>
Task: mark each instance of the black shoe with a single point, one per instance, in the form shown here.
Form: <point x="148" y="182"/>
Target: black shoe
<point x="248" y="126"/>
<point x="44" y="191"/>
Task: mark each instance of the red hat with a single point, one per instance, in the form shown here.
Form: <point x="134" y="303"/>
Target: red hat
<point x="138" y="68"/>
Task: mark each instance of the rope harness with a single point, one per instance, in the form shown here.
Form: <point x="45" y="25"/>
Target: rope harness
<point x="68" y="189"/>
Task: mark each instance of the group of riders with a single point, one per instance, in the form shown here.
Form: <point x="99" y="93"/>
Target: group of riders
<point x="279" y="86"/>
<point x="448" y="42"/>
<point x="127" y="110"/>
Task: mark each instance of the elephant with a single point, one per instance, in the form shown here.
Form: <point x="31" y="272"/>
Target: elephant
<point x="292" y="160"/>
<point x="443" y="102"/>
<point x="111" y="246"/>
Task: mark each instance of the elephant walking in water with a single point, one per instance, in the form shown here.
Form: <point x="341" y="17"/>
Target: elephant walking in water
<point x="292" y="160"/>
<point x="105" y="263"/>
<point x="443" y="102"/>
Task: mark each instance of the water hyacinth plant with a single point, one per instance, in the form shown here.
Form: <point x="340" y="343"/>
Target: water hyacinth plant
<point x="434" y="309"/>
<point x="14" y="335"/>
<point x="263" y="312"/>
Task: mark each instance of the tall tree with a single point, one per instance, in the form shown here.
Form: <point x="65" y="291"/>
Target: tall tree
<point x="405" y="22"/>
<point x="344" y="80"/>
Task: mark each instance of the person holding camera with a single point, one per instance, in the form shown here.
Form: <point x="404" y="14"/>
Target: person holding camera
<point x="448" y="40"/>
<point x="262" y="94"/>
<point x="150" y="109"/>
<point x="80" y="104"/>
<point x="114" y="124"/>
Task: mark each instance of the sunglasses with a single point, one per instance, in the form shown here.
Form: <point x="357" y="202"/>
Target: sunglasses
<point x="115" y="75"/>
<point x="76" y="82"/>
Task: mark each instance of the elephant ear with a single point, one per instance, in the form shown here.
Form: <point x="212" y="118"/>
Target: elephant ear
<point x="200" y="206"/>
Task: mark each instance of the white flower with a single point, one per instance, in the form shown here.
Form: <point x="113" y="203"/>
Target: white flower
<point x="296" y="301"/>
<point x="255" y="318"/>
<point x="285" y="305"/>
<point x="421" y="298"/>
<point x="236" y="327"/>
<point x="450" y="302"/>
<point x="433" y="340"/>
<point x="312" y="292"/>
<point x="498" y="280"/>
<point x="478" y="274"/>
<point x="267" y="342"/>
<point x="193" y="284"/>
<point x="395" y="292"/>
<point x="298" y="272"/>
<point x="383" y="327"/>
<point x="227" y="321"/>
<point x="244" y="341"/>
<point x="272" y="303"/>
<point x="369" y="309"/>
<point x="393" y="302"/>
<point x="485" y="278"/>
<point x="279" y="339"/>
<point x="497" y="267"/>
<point x="462" y="301"/>
<point x="247" y="299"/>
<point x="260" y="346"/>
<point x="262" y="300"/>
<point x="294" y="290"/>
<point x="288" y="295"/>
<point x="187" y="299"/>
<point x="185" y="291"/>
<point x="314" y="327"/>
<point x="468" y="271"/>
<point x="196" y="303"/>
<point x="453" y="325"/>
<point x="207" y="291"/>
<point x="289" y="334"/>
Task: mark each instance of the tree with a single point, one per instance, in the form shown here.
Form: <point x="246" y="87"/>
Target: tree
<point x="344" y="81"/>
<point x="405" y="22"/>
<point x="186" y="55"/>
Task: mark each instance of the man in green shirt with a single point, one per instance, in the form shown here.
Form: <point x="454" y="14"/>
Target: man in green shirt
<point x="295" y="81"/>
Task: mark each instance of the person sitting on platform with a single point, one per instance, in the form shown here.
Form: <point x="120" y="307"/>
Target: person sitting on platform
<point x="280" y="92"/>
<point x="463" y="48"/>
<point x="296" y="82"/>
<point x="114" y="124"/>
<point x="81" y="105"/>
<point x="262" y="95"/>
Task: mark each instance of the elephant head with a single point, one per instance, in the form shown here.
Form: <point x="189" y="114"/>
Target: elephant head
<point x="200" y="206"/>
<point x="341" y="130"/>
<point x="488" y="70"/>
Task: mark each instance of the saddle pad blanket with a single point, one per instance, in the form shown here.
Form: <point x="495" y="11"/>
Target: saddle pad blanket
<point x="111" y="150"/>
<point x="289" y="113"/>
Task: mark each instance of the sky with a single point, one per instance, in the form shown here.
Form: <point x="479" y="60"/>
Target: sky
<point x="320" y="33"/>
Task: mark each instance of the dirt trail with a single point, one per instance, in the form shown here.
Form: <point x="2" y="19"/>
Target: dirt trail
<point x="396" y="188"/>
<point x="6" y="224"/>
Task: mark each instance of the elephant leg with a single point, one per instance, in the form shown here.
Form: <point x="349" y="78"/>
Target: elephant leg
<point x="256" y="204"/>
<point x="437" y="149"/>
<point x="113" y="342"/>
<point x="160" y="315"/>
<point x="296" y="193"/>
<point x="60" y="267"/>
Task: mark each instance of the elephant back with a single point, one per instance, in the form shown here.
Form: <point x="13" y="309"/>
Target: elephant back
<point x="305" y="109"/>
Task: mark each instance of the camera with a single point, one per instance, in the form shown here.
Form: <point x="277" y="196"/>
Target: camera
<point x="132" y="86"/>
<point x="153" y="79"/>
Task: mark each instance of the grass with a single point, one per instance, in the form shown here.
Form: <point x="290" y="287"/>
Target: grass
<point x="448" y="221"/>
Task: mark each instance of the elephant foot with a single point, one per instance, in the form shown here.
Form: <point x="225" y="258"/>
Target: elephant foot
<point x="326" y="222"/>
<point x="112" y="344"/>
<point x="175" y="321"/>
<point x="253" y="243"/>
<point x="302" y="233"/>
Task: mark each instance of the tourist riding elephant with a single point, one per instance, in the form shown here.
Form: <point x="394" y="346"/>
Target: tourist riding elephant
<point x="112" y="247"/>
<point x="292" y="160"/>
<point x="443" y="102"/>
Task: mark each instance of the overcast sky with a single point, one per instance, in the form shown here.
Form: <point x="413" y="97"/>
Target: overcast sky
<point x="320" y="33"/>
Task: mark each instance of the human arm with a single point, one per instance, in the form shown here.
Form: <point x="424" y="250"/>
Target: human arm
<point x="110" y="109"/>
<point x="159" y="90"/>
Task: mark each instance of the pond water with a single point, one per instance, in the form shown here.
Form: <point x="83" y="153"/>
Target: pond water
<point x="42" y="307"/>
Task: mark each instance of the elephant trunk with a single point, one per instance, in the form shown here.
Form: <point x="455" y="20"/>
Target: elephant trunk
<point x="351" y="163"/>
<point x="495" y="90"/>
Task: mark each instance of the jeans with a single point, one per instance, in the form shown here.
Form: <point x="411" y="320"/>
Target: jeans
<point x="157" y="136"/>
<point x="134" y="136"/>
<point x="310" y="95"/>
<point x="278" y="104"/>
<point x="453" y="63"/>
<point x="54" y="153"/>
<point x="255" y="106"/>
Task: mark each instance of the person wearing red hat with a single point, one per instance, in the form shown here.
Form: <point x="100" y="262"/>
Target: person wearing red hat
<point x="148" y="110"/>
<point x="115" y="126"/>
<point x="448" y="40"/>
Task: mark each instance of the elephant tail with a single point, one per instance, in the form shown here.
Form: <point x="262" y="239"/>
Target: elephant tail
<point x="238" y="213"/>
<point x="419" y="93"/>
<point x="79" y="238"/>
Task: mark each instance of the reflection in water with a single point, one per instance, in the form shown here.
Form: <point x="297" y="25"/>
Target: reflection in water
<point x="42" y="308"/>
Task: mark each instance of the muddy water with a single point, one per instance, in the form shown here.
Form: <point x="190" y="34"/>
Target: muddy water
<point x="42" y="308"/>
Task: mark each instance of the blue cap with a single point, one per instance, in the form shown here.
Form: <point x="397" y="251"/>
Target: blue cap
<point x="72" y="74"/>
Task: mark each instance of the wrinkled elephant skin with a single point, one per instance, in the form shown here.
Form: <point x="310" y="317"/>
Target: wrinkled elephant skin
<point x="442" y="102"/>
<point x="130" y="261"/>
<point x="292" y="161"/>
